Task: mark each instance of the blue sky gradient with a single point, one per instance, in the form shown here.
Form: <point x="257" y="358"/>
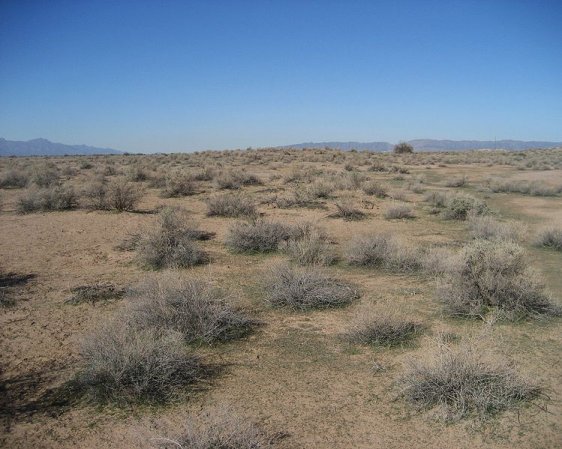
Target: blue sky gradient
<point x="181" y="76"/>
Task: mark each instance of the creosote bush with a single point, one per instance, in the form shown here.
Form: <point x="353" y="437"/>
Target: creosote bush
<point x="494" y="275"/>
<point x="121" y="364"/>
<point x="384" y="251"/>
<point x="170" y="244"/>
<point x="231" y="205"/>
<point x="383" y="328"/>
<point x="122" y="196"/>
<point x="199" y="311"/>
<point x="464" y="382"/>
<point x="257" y="236"/>
<point x="550" y="238"/>
<point x="306" y="288"/>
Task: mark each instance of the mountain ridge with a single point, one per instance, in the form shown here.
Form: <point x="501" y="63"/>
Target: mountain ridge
<point x="434" y="145"/>
<point x="44" y="147"/>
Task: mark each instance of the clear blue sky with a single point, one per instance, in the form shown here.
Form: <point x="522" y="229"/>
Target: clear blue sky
<point x="191" y="75"/>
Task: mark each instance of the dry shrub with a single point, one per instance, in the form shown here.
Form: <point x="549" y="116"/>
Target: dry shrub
<point x="171" y="244"/>
<point x="436" y="198"/>
<point x="385" y="251"/>
<point x="45" y="175"/>
<point x="399" y="211"/>
<point x="233" y="180"/>
<point x="48" y="199"/>
<point x="490" y="274"/>
<point x="306" y="288"/>
<point x="464" y="381"/>
<point x="94" y="293"/>
<point x="13" y="178"/>
<point x="122" y="364"/>
<point x="459" y="181"/>
<point x="136" y="174"/>
<point x="535" y="188"/>
<point x="348" y="212"/>
<point x="320" y="189"/>
<point x="217" y="428"/>
<point x="383" y="327"/>
<point x="550" y="238"/>
<point x="178" y="185"/>
<point x="200" y="312"/>
<point x="309" y="245"/>
<point x="376" y="189"/>
<point x="95" y="194"/>
<point x="460" y="206"/>
<point x="122" y="196"/>
<point x="437" y="260"/>
<point x="488" y="228"/>
<point x="231" y="205"/>
<point x="257" y="236"/>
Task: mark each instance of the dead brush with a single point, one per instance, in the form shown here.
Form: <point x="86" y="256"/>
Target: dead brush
<point x="348" y="212"/>
<point x="200" y="312"/>
<point x="385" y="251"/>
<point x="464" y="381"/>
<point x="383" y="327"/>
<point x="309" y="245"/>
<point x="94" y="293"/>
<point x="124" y="365"/>
<point x="231" y="205"/>
<point x="306" y="288"/>
<point x="219" y="428"/>
<point x="490" y="275"/>
<point x="257" y="236"/>
<point x="549" y="238"/>
<point x="171" y="244"/>
<point x="399" y="212"/>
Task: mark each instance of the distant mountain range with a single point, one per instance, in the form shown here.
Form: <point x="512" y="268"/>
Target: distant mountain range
<point x="433" y="145"/>
<point x="43" y="147"/>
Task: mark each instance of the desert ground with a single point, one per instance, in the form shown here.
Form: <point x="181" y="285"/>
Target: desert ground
<point x="299" y="375"/>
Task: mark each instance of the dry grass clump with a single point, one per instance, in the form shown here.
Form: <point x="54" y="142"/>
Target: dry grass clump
<point x="309" y="245"/>
<point x="200" y="312"/>
<point x="123" y="365"/>
<point x="257" y="236"/>
<point x="94" y="293"/>
<point x="231" y="205"/>
<point x="306" y="288"/>
<point x="399" y="211"/>
<point x="383" y="328"/>
<point x="48" y="199"/>
<point x="217" y="429"/>
<point x="233" y="180"/>
<point x="494" y="275"/>
<point x="550" y="238"/>
<point x="171" y="244"/>
<point x="13" y="178"/>
<point x="460" y="206"/>
<point x="376" y="189"/>
<point x="385" y="251"/>
<point x="488" y="228"/>
<point x="462" y="381"/>
<point x="348" y="212"/>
